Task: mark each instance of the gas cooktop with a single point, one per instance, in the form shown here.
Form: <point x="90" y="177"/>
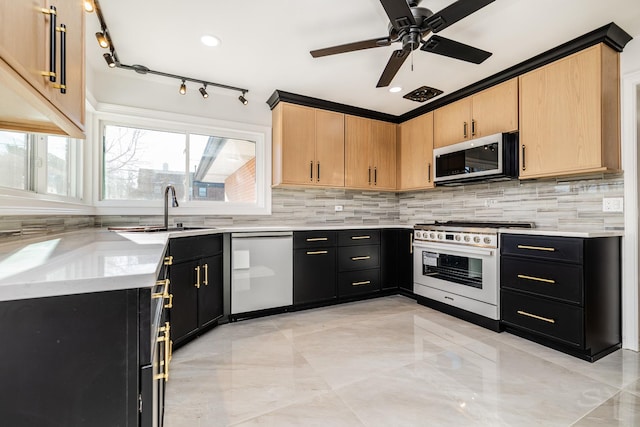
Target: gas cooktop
<point x="474" y="224"/>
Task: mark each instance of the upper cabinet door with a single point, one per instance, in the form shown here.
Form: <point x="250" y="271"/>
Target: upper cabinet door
<point x="495" y="110"/>
<point x="358" y="166"/>
<point x="383" y="154"/>
<point x="452" y="123"/>
<point x="569" y="115"/>
<point x="298" y="144"/>
<point x="415" y="153"/>
<point x="329" y="167"/>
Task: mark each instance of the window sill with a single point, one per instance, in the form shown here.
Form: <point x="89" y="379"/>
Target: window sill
<point x="40" y="204"/>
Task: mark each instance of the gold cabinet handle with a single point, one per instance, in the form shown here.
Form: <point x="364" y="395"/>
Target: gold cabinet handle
<point x="464" y="129"/>
<point x="166" y="339"/>
<point x="429" y="173"/>
<point x="165" y="293"/>
<point x="52" y="12"/>
<point x="170" y="303"/>
<point x="360" y="258"/>
<point x="366" y="282"/>
<point x="524" y="164"/>
<point x="537" y="279"/>
<point x="206" y="275"/>
<point x="168" y="260"/>
<point x="360" y="237"/>
<point x="197" y="284"/>
<point x="317" y="252"/>
<point x="535" y="316"/>
<point x="537" y="248"/>
<point x="317" y="239"/>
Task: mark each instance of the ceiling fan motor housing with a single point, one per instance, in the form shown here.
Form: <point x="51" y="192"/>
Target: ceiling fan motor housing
<point x="420" y="15"/>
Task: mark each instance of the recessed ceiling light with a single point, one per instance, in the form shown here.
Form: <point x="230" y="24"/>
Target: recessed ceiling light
<point x="395" y="89"/>
<point x="210" y="41"/>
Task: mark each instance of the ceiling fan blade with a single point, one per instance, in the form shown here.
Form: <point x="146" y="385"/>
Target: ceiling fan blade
<point x="350" y="47"/>
<point x="395" y="62"/>
<point x="454" y="12"/>
<point x="399" y="13"/>
<point x="454" y="49"/>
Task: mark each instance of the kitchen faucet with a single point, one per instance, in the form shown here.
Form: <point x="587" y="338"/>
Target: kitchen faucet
<point x="174" y="203"/>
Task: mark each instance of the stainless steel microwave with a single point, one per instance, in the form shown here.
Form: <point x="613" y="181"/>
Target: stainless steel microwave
<point x="490" y="158"/>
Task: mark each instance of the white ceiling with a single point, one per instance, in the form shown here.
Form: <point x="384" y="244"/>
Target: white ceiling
<point x="265" y="44"/>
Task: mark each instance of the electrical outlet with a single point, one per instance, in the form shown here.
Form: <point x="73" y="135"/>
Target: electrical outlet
<point x="489" y="203"/>
<point x="612" y="204"/>
<point x="338" y="208"/>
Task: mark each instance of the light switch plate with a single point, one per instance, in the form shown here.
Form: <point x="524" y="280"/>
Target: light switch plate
<point x="338" y="208"/>
<point x="612" y="204"/>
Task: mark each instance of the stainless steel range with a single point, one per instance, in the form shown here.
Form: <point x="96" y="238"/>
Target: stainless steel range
<point x="457" y="263"/>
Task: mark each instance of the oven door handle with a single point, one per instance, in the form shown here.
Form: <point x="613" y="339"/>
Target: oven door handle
<point x="447" y="249"/>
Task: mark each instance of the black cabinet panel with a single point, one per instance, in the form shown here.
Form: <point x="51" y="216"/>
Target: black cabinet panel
<point x="210" y="291"/>
<point x="184" y="313"/>
<point x="359" y="237"/>
<point x="405" y="260"/>
<point x="543" y="247"/>
<point x="389" y="258"/>
<point x="358" y="257"/>
<point x="314" y="239"/>
<point x="314" y="275"/>
<point x="358" y="282"/>
<point x="553" y="279"/>
<point x="555" y="320"/>
<point x="192" y="247"/>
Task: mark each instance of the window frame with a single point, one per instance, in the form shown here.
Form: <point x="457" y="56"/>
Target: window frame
<point x="159" y="121"/>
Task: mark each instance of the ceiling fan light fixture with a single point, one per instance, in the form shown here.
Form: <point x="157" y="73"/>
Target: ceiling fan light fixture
<point x="395" y="89"/>
<point x="102" y="40"/>
<point x="203" y="91"/>
<point x="183" y="88"/>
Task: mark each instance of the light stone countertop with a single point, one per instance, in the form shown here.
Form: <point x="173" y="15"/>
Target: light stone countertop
<point x="562" y="233"/>
<point x="96" y="260"/>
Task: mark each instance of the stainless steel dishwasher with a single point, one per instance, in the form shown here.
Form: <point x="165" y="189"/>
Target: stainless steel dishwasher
<point x="262" y="271"/>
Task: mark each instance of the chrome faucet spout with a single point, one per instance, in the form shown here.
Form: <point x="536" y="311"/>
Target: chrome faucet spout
<point x="174" y="203"/>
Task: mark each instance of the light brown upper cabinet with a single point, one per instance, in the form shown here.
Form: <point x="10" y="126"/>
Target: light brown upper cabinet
<point x="569" y="115"/>
<point x="415" y="153"/>
<point x="490" y="111"/>
<point x="370" y="154"/>
<point x="308" y="146"/>
<point x="29" y="101"/>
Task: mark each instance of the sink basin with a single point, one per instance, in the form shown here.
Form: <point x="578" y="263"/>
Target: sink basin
<point x="153" y="228"/>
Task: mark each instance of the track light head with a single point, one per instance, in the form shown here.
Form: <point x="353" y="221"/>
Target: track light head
<point x="243" y="99"/>
<point x="89" y="6"/>
<point x="110" y="61"/>
<point x="203" y="92"/>
<point x="183" y="88"/>
<point x="102" y="39"/>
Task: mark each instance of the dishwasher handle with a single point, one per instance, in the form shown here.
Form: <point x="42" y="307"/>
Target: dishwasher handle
<point x="258" y="234"/>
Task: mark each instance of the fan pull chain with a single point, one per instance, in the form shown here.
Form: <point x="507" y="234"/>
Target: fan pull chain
<point x="412" y="61"/>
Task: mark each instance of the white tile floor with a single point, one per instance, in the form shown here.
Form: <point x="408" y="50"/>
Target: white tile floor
<point x="391" y="362"/>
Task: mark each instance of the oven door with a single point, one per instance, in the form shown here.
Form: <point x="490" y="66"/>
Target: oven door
<point x="469" y="272"/>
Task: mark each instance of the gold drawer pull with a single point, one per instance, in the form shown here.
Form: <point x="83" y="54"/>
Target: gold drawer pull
<point x="537" y="279"/>
<point x="366" y="282"/>
<point x="535" y="316"/>
<point x="537" y="248"/>
<point x="197" y="284"/>
<point x="166" y="339"/>
<point x="360" y="237"/>
<point x="206" y="275"/>
<point x="360" y="258"/>
<point x="317" y="239"/>
<point x="317" y="252"/>
<point x="168" y="260"/>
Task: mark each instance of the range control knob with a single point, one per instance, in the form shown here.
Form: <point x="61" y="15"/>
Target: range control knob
<point x="476" y="239"/>
<point x="487" y="240"/>
<point x="457" y="237"/>
<point x="432" y="235"/>
<point x="440" y="236"/>
<point x="467" y="238"/>
<point x="418" y="234"/>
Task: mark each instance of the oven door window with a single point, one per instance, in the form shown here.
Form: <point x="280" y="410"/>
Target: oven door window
<point x="465" y="270"/>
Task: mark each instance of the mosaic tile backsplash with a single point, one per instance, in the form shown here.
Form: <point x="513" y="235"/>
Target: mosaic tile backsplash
<point x="564" y="203"/>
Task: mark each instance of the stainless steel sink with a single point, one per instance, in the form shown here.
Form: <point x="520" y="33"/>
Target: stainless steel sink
<point x="154" y="228"/>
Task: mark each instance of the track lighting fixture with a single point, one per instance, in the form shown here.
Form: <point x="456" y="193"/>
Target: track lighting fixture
<point x="110" y="61"/>
<point x="105" y="41"/>
<point x="203" y="91"/>
<point x="102" y="39"/>
<point x="88" y="6"/>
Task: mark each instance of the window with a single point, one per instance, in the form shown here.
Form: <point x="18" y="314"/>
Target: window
<point x="208" y="167"/>
<point x="41" y="164"/>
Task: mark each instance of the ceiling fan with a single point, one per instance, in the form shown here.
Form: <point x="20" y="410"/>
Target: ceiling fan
<point x="409" y="24"/>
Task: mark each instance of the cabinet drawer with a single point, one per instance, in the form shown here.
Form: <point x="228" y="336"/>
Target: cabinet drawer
<point x="557" y="280"/>
<point x="358" y="257"/>
<point x="543" y="247"/>
<point x="314" y="239"/>
<point x="358" y="282"/>
<point x="555" y="320"/>
<point x="186" y="248"/>
<point x="359" y="237"/>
